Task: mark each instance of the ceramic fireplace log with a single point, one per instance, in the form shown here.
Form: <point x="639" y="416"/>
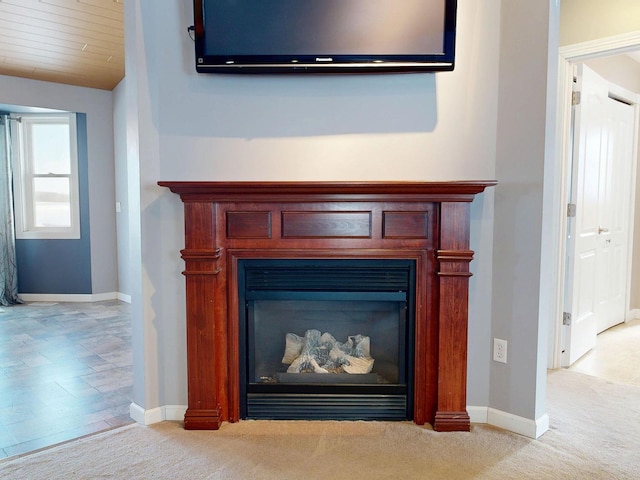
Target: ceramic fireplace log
<point x="322" y="353"/>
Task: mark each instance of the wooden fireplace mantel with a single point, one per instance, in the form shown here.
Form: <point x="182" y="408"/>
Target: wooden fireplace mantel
<point x="424" y="221"/>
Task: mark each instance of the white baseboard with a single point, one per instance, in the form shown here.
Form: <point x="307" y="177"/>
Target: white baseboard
<point x="507" y="421"/>
<point x="79" y="298"/>
<point x="155" y="415"/>
<point x="491" y="416"/>
<point x="478" y="414"/>
<point x="174" y="412"/>
<point x="520" y="425"/>
<point x="633" y="314"/>
<point x="123" y="297"/>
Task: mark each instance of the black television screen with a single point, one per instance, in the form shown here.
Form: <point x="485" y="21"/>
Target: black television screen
<point x="324" y="35"/>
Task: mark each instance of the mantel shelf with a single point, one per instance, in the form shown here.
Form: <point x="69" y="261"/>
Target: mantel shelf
<point x="463" y="190"/>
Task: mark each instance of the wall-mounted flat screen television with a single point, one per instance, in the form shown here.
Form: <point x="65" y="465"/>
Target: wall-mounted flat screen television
<point x="255" y="36"/>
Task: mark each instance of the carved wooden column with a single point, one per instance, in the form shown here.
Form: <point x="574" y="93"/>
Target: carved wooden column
<point x="201" y="256"/>
<point x="454" y="257"/>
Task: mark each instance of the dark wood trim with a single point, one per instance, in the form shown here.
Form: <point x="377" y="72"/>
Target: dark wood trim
<point x="458" y="191"/>
<point x="426" y="222"/>
<point x="195" y="419"/>
<point x="451" y="422"/>
<point x="453" y="257"/>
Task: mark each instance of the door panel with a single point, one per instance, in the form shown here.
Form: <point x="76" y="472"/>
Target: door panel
<point x="585" y="190"/>
<point x="598" y="234"/>
<point x="614" y="216"/>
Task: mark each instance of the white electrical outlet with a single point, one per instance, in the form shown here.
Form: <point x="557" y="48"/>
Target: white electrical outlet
<point x="499" y="350"/>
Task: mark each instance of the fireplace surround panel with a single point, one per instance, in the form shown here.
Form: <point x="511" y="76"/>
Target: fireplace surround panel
<point x="426" y="223"/>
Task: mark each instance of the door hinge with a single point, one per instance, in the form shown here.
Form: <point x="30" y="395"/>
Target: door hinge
<point x="566" y="318"/>
<point x="575" y="98"/>
<point x="571" y="209"/>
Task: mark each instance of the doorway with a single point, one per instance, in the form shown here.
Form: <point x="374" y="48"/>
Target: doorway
<point x="568" y="57"/>
<point x="599" y="233"/>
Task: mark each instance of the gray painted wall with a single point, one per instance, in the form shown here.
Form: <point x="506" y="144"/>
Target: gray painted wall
<point x="522" y="116"/>
<point x="473" y="123"/>
<point x="122" y="190"/>
<point x="60" y="266"/>
<point x="97" y="106"/>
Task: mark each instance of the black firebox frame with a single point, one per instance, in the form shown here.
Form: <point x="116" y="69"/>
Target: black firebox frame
<point x="329" y="280"/>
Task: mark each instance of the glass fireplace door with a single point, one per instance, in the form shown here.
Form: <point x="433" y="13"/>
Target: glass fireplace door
<point x="326" y="346"/>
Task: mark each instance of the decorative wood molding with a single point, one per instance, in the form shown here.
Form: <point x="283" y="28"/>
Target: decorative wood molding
<point x="613" y="45"/>
<point x="202" y="419"/>
<point x="424" y="222"/>
<point x="460" y="191"/>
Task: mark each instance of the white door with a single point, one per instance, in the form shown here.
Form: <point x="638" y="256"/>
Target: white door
<point x="614" y="252"/>
<point x="599" y="233"/>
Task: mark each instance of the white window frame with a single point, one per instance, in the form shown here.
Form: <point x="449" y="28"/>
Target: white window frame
<point x="23" y="177"/>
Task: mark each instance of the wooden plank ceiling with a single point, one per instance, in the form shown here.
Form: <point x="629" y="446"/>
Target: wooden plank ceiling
<point x="76" y="42"/>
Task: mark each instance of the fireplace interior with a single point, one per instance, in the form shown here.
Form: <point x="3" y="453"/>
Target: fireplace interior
<point x="326" y="338"/>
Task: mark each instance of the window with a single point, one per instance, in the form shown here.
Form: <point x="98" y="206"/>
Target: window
<point x="45" y="169"/>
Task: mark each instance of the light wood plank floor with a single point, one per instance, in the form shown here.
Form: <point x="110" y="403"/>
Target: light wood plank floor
<point x="65" y="372"/>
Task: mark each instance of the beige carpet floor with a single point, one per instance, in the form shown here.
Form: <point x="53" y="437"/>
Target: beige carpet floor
<point x="594" y="434"/>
